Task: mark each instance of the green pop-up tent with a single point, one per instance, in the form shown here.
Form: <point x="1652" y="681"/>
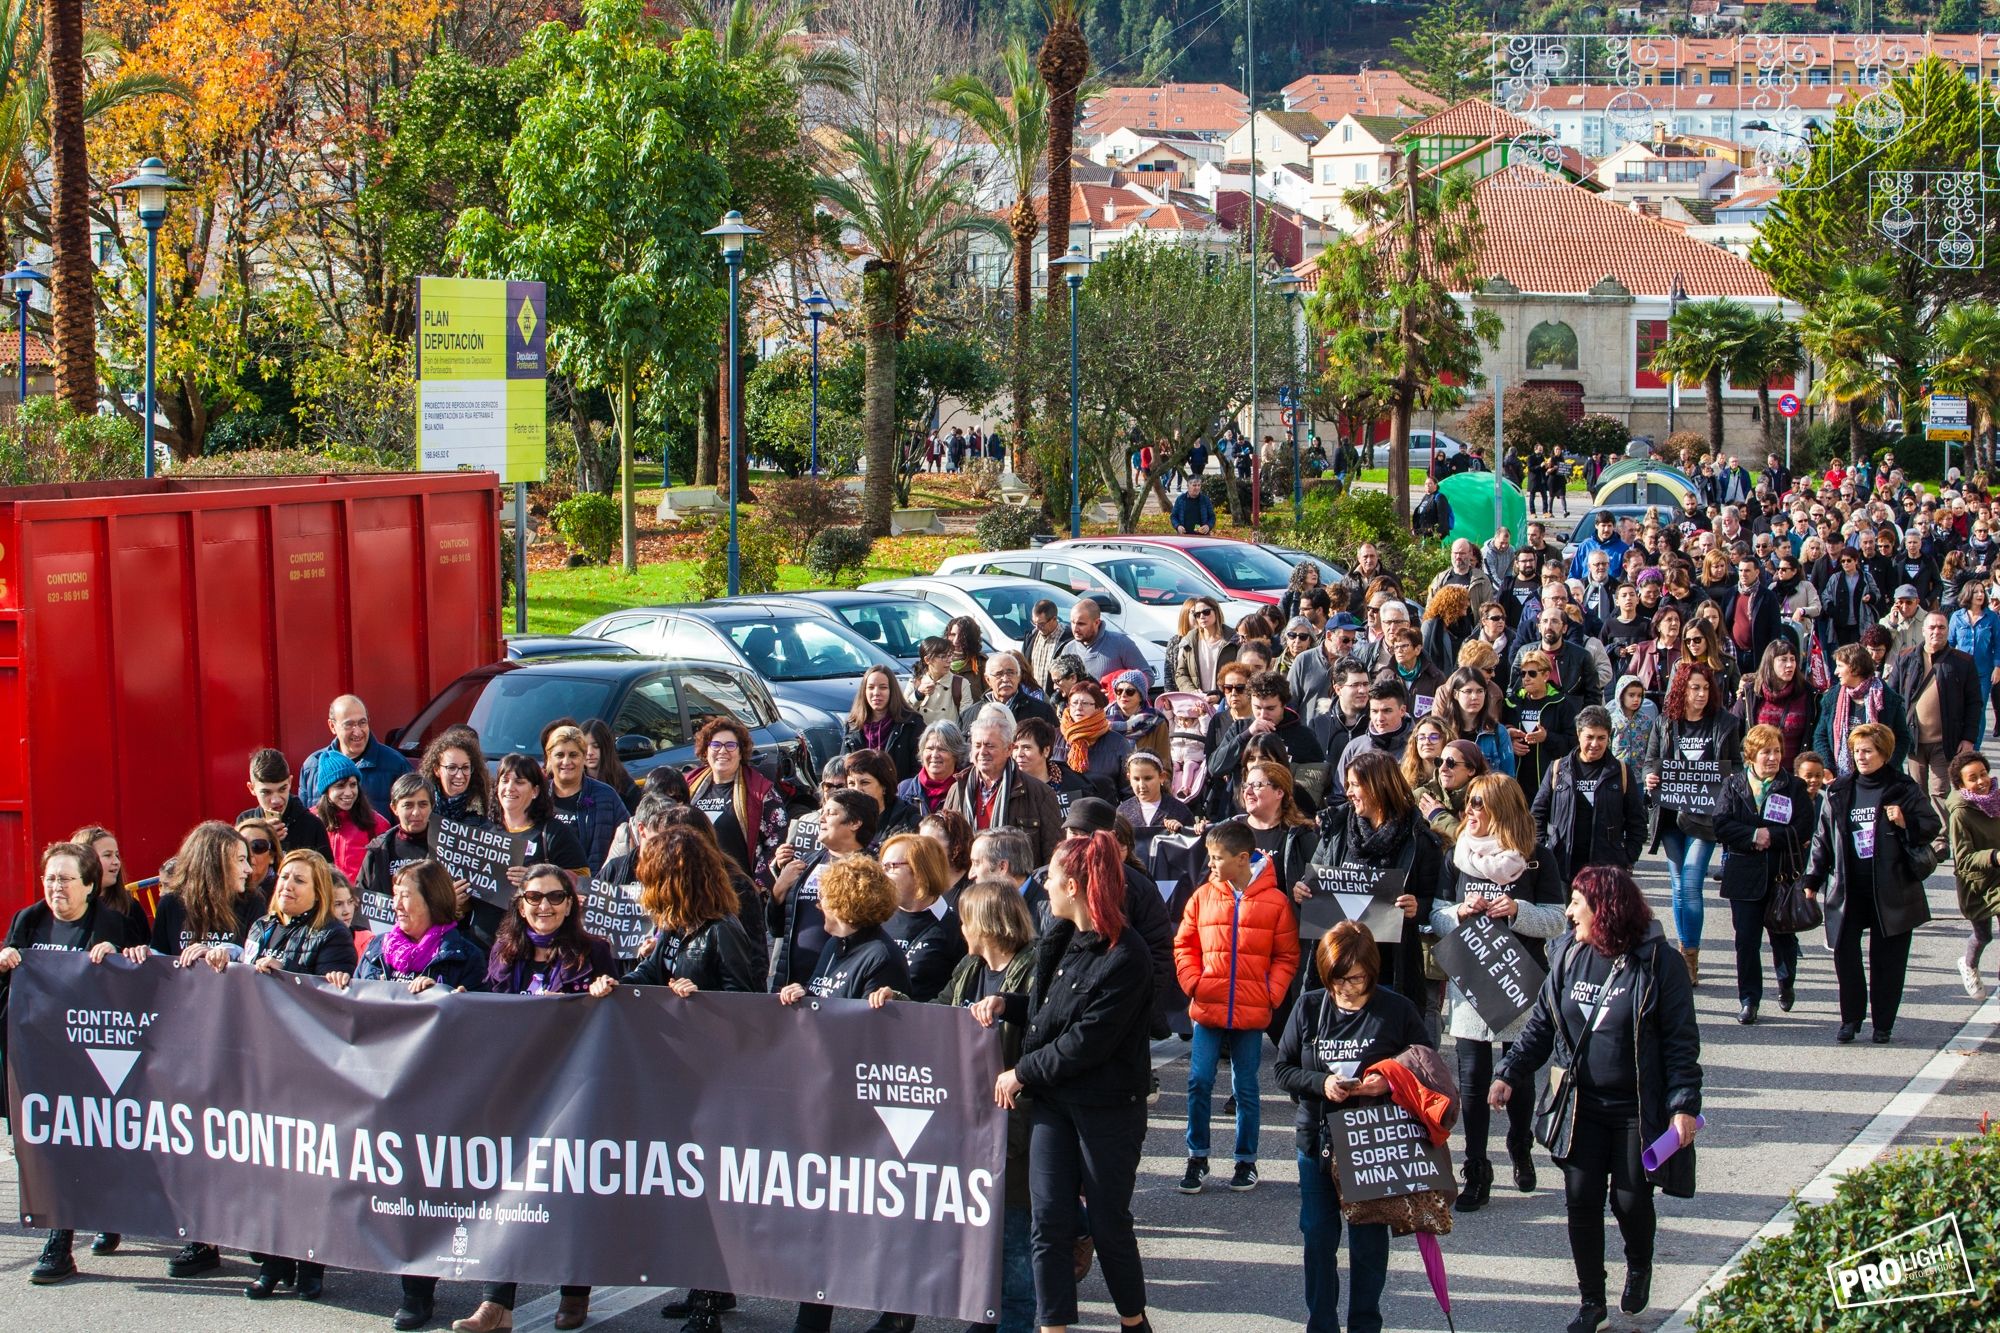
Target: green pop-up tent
<point x="1470" y="495"/>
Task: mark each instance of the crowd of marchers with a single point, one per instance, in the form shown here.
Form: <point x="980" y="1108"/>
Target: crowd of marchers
<point x="1090" y="859"/>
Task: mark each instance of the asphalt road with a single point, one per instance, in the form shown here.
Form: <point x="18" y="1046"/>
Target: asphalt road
<point x="1783" y="1102"/>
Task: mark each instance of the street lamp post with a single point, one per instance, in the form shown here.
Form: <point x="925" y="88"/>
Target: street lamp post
<point x="1289" y="285"/>
<point x="732" y="233"/>
<point x="817" y="309"/>
<point x="151" y="184"/>
<point x="1073" y="266"/>
<point x="23" y="280"/>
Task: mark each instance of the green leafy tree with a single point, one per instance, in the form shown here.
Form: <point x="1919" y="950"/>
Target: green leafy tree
<point x="444" y="152"/>
<point x="1965" y="359"/>
<point x="777" y="415"/>
<point x="908" y="203"/>
<point x="1164" y="353"/>
<point x="615" y="173"/>
<point x="1016" y="123"/>
<point x="1846" y="333"/>
<point x="1448" y="51"/>
<point x="1767" y="350"/>
<point x="1385" y="309"/>
<point x="1702" y="337"/>
<point x="1954" y="16"/>
<point x="1827" y="220"/>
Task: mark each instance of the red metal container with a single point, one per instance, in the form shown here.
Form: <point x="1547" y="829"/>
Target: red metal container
<point x="154" y="633"/>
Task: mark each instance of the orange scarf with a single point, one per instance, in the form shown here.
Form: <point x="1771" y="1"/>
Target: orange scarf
<point x="1078" y="736"/>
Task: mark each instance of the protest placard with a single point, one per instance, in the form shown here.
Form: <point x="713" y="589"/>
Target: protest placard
<point x="1693" y="785"/>
<point x="1354" y="893"/>
<point x="1383" y="1150"/>
<point x="481" y="854"/>
<point x="1496" y="973"/>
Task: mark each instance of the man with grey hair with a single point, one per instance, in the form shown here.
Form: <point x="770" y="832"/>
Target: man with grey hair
<point x="993" y="793"/>
<point x="1005" y="674"/>
<point x="1003" y="853"/>
<point x="1390" y="611"/>
<point x="1466" y="571"/>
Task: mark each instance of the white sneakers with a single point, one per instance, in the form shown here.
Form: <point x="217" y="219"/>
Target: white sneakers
<point x="1969" y="975"/>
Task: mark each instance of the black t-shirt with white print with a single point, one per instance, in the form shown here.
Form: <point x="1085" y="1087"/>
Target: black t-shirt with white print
<point x="1608" y="1079"/>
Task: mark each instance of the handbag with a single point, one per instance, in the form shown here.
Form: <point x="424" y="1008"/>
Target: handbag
<point x="1555" y="1113"/>
<point x="1789" y="912"/>
<point x="1920" y="860"/>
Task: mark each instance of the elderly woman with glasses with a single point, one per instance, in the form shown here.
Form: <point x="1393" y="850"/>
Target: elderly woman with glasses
<point x="941" y="756"/>
<point x="1202" y="646"/>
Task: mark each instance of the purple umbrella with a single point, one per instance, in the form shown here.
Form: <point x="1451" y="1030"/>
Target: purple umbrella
<point x="1427" y="1245"/>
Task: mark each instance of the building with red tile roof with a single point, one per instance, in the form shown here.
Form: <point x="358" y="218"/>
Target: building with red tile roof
<point x="1212" y="107"/>
<point x="1374" y="92"/>
<point x="1582" y="287"/>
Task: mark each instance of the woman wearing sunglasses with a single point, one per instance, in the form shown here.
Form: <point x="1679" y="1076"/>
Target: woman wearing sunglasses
<point x="1205" y="644"/>
<point x="542" y="949"/>
<point x="266" y="850"/>
<point x="1696" y="726"/>
<point x="1702" y="642"/>
<point x="1497" y="869"/>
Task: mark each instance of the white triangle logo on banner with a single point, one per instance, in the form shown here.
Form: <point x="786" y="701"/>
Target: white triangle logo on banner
<point x="113" y="1066"/>
<point x="1354" y="904"/>
<point x="904" y="1124"/>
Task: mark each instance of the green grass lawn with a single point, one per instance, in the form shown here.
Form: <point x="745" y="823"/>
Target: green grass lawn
<point x="1380" y="476"/>
<point x="561" y="599"/>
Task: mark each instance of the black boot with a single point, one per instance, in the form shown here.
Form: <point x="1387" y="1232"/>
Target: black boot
<point x="1478" y="1186"/>
<point x="414" y="1312"/>
<point x="57" y="1262"/>
<point x="311" y="1281"/>
<point x="720" y="1301"/>
<point x="893" y="1323"/>
<point x="1521" y="1154"/>
<point x="106" y="1243"/>
<point x="270" y="1274"/>
<point x="704" y="1313"/>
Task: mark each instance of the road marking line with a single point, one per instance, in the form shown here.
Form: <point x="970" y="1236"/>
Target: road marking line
<point x="1900" y="1112"/>
<point x="605" y="1303"/>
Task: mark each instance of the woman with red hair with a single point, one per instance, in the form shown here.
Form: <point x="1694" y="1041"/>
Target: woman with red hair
<point x="1617" y="1013"/>
<point x="1086" y="1061"/>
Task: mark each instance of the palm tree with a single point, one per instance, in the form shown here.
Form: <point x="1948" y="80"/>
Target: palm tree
<point x="1965" y="359"/>
<point x="776" y="34"/>
<point x="1017" y="126"/>
<point x="1767" y="349"/>
<point x="69" y="212"/>
<point x="906" y="205"/>
<point x="1701" y="337"/>
<point x="1845" y="332"/>
<point x="1064" y="61"/>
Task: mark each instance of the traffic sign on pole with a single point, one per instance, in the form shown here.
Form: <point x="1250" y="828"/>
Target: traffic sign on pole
<point x="1788" y="404"/>
<point x="1945" y="418"/>
<point x="1288" y="416"/>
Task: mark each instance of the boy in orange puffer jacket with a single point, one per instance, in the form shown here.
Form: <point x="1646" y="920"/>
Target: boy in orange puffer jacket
<point x="1235" y="955"/>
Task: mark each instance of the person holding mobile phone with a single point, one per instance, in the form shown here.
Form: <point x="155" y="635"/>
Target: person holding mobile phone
<point x="1333" y="1036"/>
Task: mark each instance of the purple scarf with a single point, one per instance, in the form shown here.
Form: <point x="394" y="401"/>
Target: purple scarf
<point x="876" y="734"/>
<point x="407" y="957"/>
<point x="1985" y="802"/>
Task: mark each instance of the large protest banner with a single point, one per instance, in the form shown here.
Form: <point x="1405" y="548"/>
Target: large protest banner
<point x="639" y="1139"/>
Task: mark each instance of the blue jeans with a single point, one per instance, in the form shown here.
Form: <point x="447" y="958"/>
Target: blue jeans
<point x="1017" y="1271"/>
<point x="1687" y="867"/>
<point x="1246" y="1050"/>
<point x="1368" y="1255"/>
